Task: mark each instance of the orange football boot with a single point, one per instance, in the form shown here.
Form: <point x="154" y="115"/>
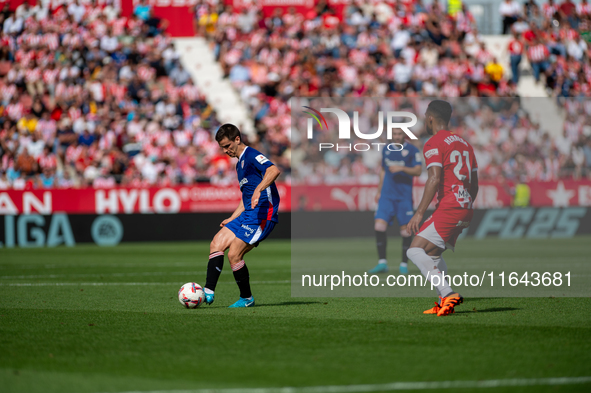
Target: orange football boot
<point x="435" y="309"/>
<point x="448" y="303"/>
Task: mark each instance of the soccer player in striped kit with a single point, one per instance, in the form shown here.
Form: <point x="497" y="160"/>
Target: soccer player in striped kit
<point x="251" y="222"/>
<point x="453" y="177"/>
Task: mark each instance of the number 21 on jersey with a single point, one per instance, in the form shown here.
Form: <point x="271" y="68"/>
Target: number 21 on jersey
<point x="456" y="156"/>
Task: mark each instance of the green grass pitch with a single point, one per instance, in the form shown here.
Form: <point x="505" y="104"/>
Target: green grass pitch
<point x="114" y="324"/>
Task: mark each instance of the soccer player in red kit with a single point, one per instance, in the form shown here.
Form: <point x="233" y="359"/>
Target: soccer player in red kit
<point x="453" y="175"/>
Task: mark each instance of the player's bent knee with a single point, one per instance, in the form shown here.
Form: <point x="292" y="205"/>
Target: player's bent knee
<point x="405" y="232"/>
<point x="380" y="225"/>
<point x="234" y="256"/>
<point x="213" y="246"/>
<point x="247" y="249"/>
<point x="217" y="244"/>
<point x="222" y="240"/>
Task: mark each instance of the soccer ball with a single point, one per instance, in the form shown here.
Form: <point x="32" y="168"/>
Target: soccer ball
<point x="191" y="295"/>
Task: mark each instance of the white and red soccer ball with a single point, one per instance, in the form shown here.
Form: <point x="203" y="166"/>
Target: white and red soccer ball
<point x="191" y="295"/>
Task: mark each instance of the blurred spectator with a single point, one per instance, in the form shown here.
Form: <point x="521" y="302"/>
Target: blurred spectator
<point x="494" y="70"/>
<point x="510" y="10"/>
<point x="26" y="164"/>
<point x="206" y="18"/>
<point x="28" y="123"/>
<point x="34" y="145"/>
<point x="247" y="20"/>
<point x="47" y="178"/>
<point x="515" y="54"/>
<point x="143" y="10"/>
<point x="538" y="56"/>
<point x="77" y="11"/>
<point x="86" y="139"/>
<point x="25" y="11"/>
<point x="453" y="7"/>
<point x="12" y="25"/>
<point x="4" y="183"/>
<point x="568" y="10"/>
<point x="549" y="9"/>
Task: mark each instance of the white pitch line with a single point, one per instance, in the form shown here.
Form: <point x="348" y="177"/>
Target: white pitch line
<point x="132" y="274"/>
<point x="100" y="284"/>
<point x="98" y="275"/>
<point x="119" y="265"/>
<point x="491" y="383"/>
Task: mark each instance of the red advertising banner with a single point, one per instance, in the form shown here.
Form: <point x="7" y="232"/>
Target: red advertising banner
<point x="13" y="4"/>
<point x="176" y="12"/>
<point x="207" y="198"/>
<point x="561" y="193"/>
<point x="362" y="197"/>
<point x="187" y="199"/>
<point x="491" y="195"/>
<point x="304" y="7"/>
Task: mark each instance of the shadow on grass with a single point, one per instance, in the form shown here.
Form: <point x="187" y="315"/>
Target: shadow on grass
<point x="494" y="309"/>
<point x="286" y="304"/>
<point x="272" y="304"/>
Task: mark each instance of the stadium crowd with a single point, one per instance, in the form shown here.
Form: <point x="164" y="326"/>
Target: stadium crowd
<point x="408" y="49"/>
<point x="509" y="144"/>
<point x="555" y="38"/>
<point x="90" y="98"/>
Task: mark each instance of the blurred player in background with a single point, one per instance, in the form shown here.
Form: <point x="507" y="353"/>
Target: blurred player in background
<point x="394" y="197"/>
<point x="453" y="175"/>
<point x="251" y="222"/>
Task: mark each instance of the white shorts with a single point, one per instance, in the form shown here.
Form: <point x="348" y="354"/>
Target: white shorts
<point x="430" y="233"/>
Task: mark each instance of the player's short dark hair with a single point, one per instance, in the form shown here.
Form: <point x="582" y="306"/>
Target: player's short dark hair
<point x="441" y="110"/>
<point x="229" y="131"/>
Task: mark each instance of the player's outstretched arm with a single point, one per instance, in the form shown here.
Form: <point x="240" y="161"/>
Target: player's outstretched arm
<point x="431" y="187"/>
<point x="271" y="174"/>
<point x="236" y="213"/>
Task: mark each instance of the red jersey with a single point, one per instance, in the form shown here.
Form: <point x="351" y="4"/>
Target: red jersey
<point x="515" y="47"/>
<point x="456" y="157"/>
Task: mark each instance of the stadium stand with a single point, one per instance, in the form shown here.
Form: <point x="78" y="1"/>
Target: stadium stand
<point x="89" y="98"/>
<point x="408" y="49"/>
<point x="508" y="143"/>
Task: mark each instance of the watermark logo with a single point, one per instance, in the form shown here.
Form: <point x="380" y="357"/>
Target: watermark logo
<point x="344" y="122"/>
<point x="315" y="117"/>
